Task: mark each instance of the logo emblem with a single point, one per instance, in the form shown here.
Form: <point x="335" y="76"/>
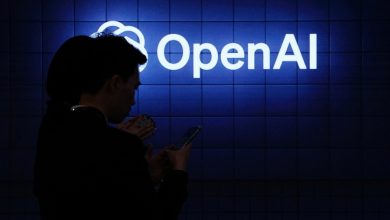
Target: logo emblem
<point x="121" y="30"/>
<point x="233" y="56"/>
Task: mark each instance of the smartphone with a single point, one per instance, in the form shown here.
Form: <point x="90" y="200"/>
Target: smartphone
<point x="146" y="121"/>
<point x="192" y="133"/>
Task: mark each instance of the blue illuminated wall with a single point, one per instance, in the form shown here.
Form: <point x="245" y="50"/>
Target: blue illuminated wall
<point x="276" y="144"/>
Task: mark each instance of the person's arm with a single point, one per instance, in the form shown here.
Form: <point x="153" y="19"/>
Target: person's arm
<point x="173" y="188"/>
<point x="134" y="179"/>
<point x="173" y="193"/>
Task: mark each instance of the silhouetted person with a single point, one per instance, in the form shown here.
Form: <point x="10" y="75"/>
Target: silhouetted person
<point x="86" y="168"/>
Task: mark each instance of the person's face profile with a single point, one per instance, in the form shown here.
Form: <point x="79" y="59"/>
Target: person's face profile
<point x="125" y="95"/>
<point x="132" y="86"/>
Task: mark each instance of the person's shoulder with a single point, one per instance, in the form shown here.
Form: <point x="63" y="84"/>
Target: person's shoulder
<point x="87" y="117"/>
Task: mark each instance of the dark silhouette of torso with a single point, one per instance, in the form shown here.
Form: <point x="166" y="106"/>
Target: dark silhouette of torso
<point x="86" y="169"/>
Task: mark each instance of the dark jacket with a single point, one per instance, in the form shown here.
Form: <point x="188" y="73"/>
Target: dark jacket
<point x="85" y="169"/>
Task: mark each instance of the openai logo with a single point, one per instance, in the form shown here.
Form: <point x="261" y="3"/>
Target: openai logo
<point x="122" y="30"/>
<point x="232" y="56"/>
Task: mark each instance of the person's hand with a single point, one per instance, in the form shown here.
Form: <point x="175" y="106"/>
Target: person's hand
<point x="158" y="164"/>
<point x="135" y="126"/>
<point x="179" y="157"/>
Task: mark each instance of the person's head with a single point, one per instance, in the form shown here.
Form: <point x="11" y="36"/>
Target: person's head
<point x="103" y="69"/>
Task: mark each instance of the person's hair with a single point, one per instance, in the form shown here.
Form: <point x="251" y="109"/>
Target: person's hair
<point x="83" y="64"/>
